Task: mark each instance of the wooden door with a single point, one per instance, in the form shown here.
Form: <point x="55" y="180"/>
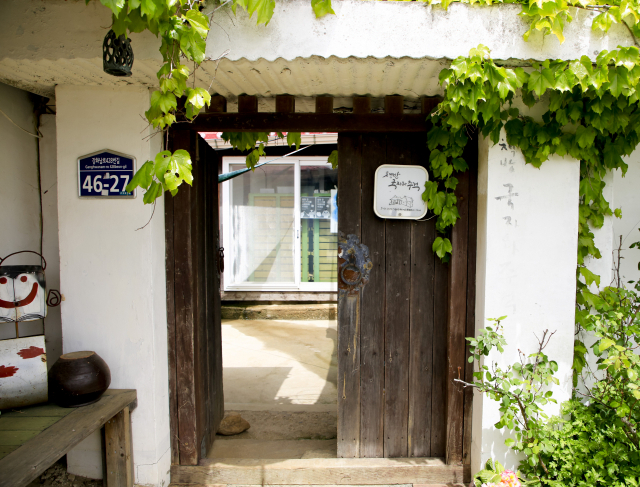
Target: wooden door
<point x="396" y="397"/>
<point x="196" y="399"/>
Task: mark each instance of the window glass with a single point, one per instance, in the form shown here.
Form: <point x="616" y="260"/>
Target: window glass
<point x="262" y="225"/>
<point x="318" y="223"/>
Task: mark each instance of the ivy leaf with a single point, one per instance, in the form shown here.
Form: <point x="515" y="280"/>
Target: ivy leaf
<point x="115" y="5"/>
<point x="199" y="22"/>
<point x="589" y="276"/>
<point x="333" y="159"/>
<point x="539" y="82"/>
<point x="322" y="8"/>
<point x="154" y="191"/>
<point x="193" y="45"/>
<point x="442" y="247"/>
<point x="603" y="22"/>
<point x="198" y="97"/>
<point x="142" y="178"/>
<point x="294" y="138"/>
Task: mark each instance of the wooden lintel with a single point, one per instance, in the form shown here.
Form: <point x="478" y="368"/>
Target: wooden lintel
<point x="309" y="122"/>
<point x="285" y="104"/>
<point x="247" y="104"/>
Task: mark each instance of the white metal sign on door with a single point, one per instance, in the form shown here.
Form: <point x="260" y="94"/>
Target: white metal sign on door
<point x="398" y="191"/>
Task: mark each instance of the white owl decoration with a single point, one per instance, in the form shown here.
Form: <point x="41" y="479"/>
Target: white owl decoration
<point x="22" y="293"/>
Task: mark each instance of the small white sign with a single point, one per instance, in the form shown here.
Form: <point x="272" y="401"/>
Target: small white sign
<point x="398" y="191"/>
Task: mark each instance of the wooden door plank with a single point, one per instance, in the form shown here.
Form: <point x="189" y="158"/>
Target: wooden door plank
<point x="372" y="306"/>
<point x="397" y="297"/>
<point x="349" y="223"/>
<point x="422" y="324"/>
<point x="117" y="440"/>
<point x="171" y="325"/>
<point x="27" y="462"/>
<point x="439" y="387"/>
<point x="471" y="156"/>
<point x="456" y="324"/>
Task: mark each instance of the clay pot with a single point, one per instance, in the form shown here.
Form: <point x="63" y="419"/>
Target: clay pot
<point x="78" y="379"/>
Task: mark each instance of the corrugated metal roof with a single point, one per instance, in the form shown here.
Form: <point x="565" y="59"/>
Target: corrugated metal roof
<point x="302" y="77"/>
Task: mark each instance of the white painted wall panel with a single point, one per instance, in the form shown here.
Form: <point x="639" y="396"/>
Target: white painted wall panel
<point x="113" y="274"/>
<point x="527" y="236"/>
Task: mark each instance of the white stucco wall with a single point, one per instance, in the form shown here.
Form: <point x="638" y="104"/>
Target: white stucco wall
<point x="113" y="275"/>
<point x="626" y="196"/>
<point x="527" y="235"/>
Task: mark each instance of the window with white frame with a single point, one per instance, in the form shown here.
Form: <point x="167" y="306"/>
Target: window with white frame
<point x="280" y="226"/>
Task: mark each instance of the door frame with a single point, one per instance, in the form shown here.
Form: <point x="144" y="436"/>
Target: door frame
<point x="190" y="288"/>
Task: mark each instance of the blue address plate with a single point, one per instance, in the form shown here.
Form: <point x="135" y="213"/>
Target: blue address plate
<point x="105" y="174"/>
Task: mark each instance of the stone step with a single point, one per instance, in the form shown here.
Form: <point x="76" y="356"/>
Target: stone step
<point x="272" y="449"/>
<point x="323" y="311"/>
<point x="285" y="425"/>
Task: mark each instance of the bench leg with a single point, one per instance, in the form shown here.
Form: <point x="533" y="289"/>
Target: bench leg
<point x="117" y="434"/>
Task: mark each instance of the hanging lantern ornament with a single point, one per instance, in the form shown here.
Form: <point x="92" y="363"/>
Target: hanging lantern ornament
<point x="117" y="55"/>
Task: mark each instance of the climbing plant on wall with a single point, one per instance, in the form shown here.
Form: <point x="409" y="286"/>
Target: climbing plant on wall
<point x="591" y="109"/>
<point x="182" y="27"/>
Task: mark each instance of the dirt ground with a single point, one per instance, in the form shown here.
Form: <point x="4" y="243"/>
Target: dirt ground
<point x="57" y="476"/>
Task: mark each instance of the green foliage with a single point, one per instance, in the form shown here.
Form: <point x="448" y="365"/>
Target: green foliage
<point x="494" y="473"/>
<point x="521" y="389"/>
<point x="550" y="16"/>
<point x="587" y="448"/>
<point x="183" y="30"/>
<point x="614" y="321"/>
<point x="247" y="141"/>
<point x="593" y="115"/>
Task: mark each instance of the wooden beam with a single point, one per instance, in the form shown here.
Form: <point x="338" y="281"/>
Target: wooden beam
<point x="117" y="440"/>
<point x="186" y="312"/>
<point x="311" y="122"/>
<point x="321" y="471"/>
<point x="247" y="104"/>
<point x="171" y="327"/>
<point x="394" y="104"/>
<point x="324" y="104"/>
<point x="285" y="104"/>
<point x="361" y="104"/>
<point x="456" y="325"/>
<point x="218" y="104"/>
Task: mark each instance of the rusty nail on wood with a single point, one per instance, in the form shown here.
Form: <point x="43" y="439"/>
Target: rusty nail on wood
<point x="459" y="372"/>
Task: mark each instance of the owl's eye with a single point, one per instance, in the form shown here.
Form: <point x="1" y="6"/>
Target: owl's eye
<point x="23" y="278"/>
<point x="3" y="280"/>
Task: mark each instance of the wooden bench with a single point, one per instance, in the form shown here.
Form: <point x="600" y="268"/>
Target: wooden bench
<point x="34" y="437"/>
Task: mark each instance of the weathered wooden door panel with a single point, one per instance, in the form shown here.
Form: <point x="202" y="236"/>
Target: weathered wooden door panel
<point x="394" y="392"/>
<point x="193" y="306"/>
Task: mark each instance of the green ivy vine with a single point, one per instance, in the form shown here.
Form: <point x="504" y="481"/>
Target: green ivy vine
<point x="592" y="114"/>
<point x="183" y="27"/>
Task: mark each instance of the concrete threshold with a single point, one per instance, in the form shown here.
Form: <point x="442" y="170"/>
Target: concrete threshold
<point x="323" y="311"/>
<point x="321" y="471"/>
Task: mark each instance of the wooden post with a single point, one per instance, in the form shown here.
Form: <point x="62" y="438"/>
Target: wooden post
<point x="324" y="104"/>
<point x="456" y="324"/>
<point x="247" y="104"/>
<point x="361" y="104"/>
<point x="218" y="104"/>
<point x="117" y="433"/>
<point x="394" y="104"/>
<point x="285" y="104"/>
